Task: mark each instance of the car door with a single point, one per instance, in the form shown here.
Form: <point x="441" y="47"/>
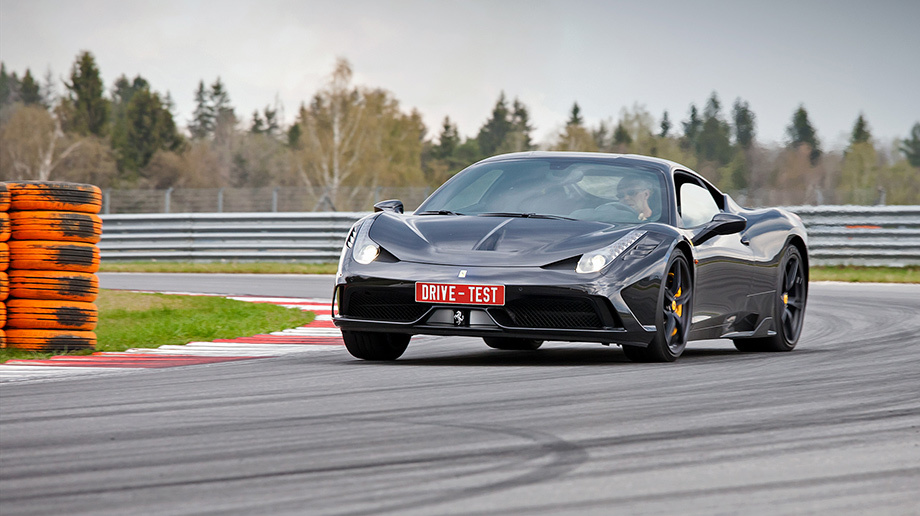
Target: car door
<point x="722" y="262"/>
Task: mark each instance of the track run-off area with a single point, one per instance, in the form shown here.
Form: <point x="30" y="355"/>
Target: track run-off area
<point x="290" y="423"/>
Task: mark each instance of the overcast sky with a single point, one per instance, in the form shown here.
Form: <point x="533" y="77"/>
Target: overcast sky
<point x="453" y="58"/>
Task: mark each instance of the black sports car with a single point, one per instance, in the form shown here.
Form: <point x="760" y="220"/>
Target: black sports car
<point x="616" y="249"/>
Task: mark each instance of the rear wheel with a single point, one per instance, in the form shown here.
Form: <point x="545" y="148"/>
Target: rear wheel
<point x="375" y="346"/>
<point x="789" y="307"/>
<point x="510" y="344"/>
<point x="673" y="318"/>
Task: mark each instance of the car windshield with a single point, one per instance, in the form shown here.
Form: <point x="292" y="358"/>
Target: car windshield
<point x="616" y="193"/>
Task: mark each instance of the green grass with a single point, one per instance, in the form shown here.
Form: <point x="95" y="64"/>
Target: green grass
<point x="849" y="274"/>
<point x="866" y="274"/>
<point x="134" y="320"/>
<point x="222" y="267"/>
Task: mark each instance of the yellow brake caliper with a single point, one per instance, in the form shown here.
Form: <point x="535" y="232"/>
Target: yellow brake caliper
<point x="677" y="309"/>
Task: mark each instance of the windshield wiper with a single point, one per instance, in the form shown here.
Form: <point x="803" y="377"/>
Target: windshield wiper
<point x="524" y="215"/>
<point x="438" y="212"/>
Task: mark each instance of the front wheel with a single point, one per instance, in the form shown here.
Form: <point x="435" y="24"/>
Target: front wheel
<point x="675" y="302"/>
<point x="788" y="309"/>
<point x="375" y="346"/>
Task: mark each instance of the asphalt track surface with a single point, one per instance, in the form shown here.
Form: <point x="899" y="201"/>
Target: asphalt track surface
<point x="457" y="428"/>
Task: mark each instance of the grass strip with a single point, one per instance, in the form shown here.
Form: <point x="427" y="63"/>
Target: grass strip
<point x="909" y="274"/>
<point x="134" y="320"/>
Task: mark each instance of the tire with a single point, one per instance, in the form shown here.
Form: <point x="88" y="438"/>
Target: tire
<point x="4" y="197"/>
<point x="60" y="285"/>
<point x="56" y="225"/>
<point x="4" y="226"/>
<point x="54" y="256"/>
<point x="51" y="315"/>
<point x="4" y="256"/>
<point x="375" y="346"/>
<point x="2" y="315"/>
<point x="511" y="344"/>
<point x="2" y="338"/>
<point x="675" y="306"/>
<point x="791" y="297"/>
<point x="55" y="196"/>
<point x="50" y="340"/>
<point x="4" y="287"/>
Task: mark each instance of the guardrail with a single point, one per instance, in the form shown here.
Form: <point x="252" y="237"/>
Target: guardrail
<point x="838" y="235"/>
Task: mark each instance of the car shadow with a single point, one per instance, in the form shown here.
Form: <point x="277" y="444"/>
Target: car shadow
<point x="547" y="356"/>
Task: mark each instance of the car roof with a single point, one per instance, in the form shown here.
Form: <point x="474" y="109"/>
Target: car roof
<point x="670" y="165"/>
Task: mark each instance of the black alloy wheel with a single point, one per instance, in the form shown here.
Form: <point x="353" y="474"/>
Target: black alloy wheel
<point x="675" y="303"/>
<point x="789" y="306"/>
<point x="375" y="346"/>
<point x="511" y="344"/>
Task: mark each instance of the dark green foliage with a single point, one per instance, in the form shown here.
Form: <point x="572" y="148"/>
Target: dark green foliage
<point x="744" y="124"/>
<point x="692" y="128"/>
<point x="712" y="142"/>
<point x="665" y="125"/>
<point x="621" y="135"/>
<point x="90" y="109"/>
<point x="293" y="136"/>
<point x="860" y="132"/>
<point x="447" y="141"/>
<point x="29" y="91"/>
<point x="493" y="132"/>
<point x="575" y="117"/>
<point x="202" y="124"/>
<point x="9" y="87"/>
<point x="911" y="146"/>
<point x="148" y="127"/>
<point x="801" y="132"/>
<point x="265" y="122"/>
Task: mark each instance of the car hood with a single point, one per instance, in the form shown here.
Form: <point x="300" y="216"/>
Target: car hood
<point x="485" y="241"/>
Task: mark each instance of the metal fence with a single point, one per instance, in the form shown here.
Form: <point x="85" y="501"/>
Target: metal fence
<point x="838" y="235"/>
<point x="256" y="200"/>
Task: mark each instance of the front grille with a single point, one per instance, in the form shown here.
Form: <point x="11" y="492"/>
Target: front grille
<point x="393" y="304"/>
<point x="553" y="312"/>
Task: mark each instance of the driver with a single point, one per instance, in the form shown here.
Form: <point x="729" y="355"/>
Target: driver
<point x="635" y="193"/>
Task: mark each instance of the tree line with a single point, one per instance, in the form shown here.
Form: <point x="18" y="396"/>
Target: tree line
<point x="348" y="137"/>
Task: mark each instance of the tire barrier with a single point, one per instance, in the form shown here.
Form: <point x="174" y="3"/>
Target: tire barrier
<point x="48" y="236"/>
<point x="54" y="196"/>
<point x="55" y="225"/>
<point x="50" y="340"/>
<point x="54" y="285"/>
<point x="51" y="315"/>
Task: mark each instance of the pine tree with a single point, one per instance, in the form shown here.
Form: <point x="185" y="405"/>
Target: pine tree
<point x="712" y="142"/>
<point x="447" y="141"/>
<point x="575" y="117"/>
<point x="860" y="132"/>
<point x="692" y="128"/>
<point x="744" y="124"/>
<point x="493" y="132"/>
<point x="621" y="136"/>
<point x="90" y="109"/>
<point x="665" y="125"/>
<point x="9" y="87"/>
<point x="149" y="128"/>
<point x="29" y="90"/>
<point x="202" y="123"/>
<point x="911" y="146"/>
<point x="801" y="132"/>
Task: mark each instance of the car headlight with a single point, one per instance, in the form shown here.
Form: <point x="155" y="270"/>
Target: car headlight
<point x="597" y="260"/>
<point x="365" y="250"/>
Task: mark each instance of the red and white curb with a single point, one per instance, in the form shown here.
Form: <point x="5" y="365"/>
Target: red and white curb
<point x="318" y="336"/>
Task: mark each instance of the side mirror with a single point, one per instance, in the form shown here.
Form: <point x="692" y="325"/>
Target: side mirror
<point x="721" y="224"/>
<point x="391" y="205"/>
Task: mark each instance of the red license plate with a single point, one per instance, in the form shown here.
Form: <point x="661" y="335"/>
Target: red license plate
<point x="491" y="295"/>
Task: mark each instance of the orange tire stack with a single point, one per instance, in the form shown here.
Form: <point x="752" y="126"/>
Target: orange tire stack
<point x="52" y="257"/>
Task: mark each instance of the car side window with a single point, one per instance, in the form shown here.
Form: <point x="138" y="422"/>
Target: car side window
<point x="697" y="206"/>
